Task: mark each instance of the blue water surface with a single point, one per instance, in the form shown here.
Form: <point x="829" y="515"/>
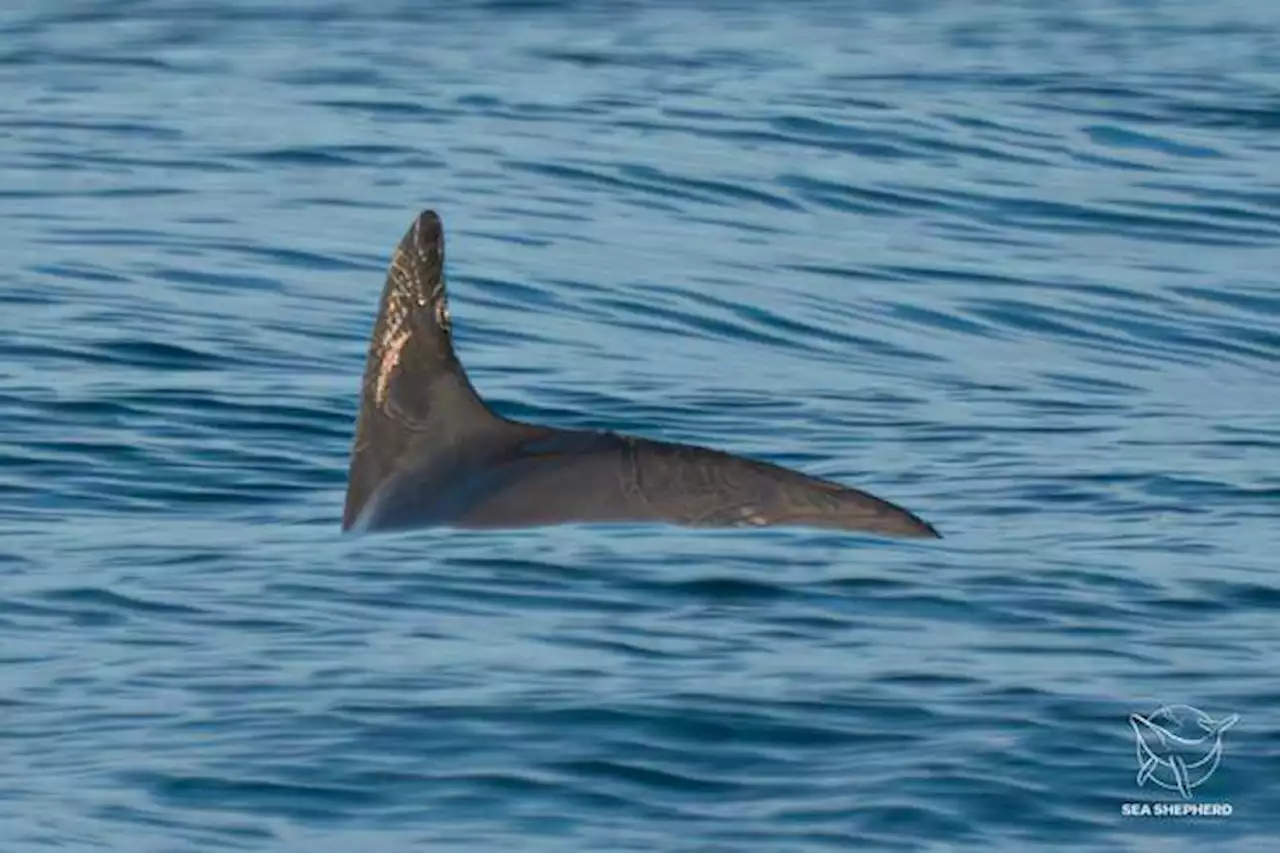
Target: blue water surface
<point x="1012" y="265"/>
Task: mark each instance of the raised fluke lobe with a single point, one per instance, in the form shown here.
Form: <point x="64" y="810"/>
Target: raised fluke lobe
<point x="428" y="451"/>
<point x="415" y="397"/>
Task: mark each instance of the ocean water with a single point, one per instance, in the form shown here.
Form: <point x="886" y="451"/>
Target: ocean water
<point x="1012" y="265"/>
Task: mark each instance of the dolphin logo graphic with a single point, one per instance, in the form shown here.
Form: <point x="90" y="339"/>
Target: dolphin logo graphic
<point x="1178" y="746"/>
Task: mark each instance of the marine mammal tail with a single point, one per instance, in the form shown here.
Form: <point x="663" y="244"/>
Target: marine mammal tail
<point x="415" y="390"/>
<point x="429" y="451"/>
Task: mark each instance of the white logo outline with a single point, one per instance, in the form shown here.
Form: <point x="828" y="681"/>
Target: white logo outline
<point x="1164" y="754"/>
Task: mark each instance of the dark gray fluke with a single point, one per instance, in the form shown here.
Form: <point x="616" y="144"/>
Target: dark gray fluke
<point x="429" y="451"/>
